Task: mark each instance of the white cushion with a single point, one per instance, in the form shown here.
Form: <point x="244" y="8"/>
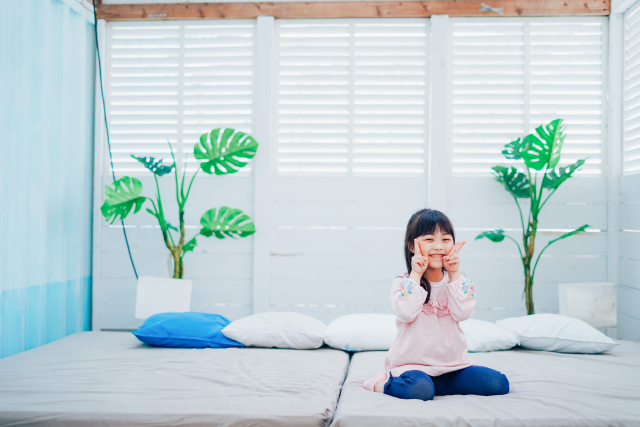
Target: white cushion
<point x="487" y="336"/>
<point x="361" y="332"/>
<point x="277" y="329"/>
<point x="554" y="332"/>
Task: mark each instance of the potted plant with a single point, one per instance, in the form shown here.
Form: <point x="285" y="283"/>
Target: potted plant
<point x="541" y="154"/>
<point x="223" y="151"/>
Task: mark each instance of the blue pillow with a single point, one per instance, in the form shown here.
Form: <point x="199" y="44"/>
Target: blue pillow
<point x="185" y="330"/>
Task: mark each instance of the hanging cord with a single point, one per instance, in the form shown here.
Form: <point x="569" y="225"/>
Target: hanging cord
<point x="106" y="125"/>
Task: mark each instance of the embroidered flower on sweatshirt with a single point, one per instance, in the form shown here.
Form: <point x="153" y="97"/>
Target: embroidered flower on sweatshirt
<point x="405" y="289"/>
<point x="468" y="289"/>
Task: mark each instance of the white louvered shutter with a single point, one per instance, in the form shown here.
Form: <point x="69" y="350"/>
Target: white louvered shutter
<point x="174" y="81"/>
<point x="511" y="75"/>
<point x="631" y="140"/>
<point x="352" y="96"/>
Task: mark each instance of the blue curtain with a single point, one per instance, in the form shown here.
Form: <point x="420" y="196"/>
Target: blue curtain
<point x="47" y="85"/>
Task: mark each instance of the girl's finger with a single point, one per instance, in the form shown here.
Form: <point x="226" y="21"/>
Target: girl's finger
<point x="416" y="248"/>
<point x="458" y="246"/>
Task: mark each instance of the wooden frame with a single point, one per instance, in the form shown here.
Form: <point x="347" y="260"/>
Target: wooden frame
<point x="353" y="9"/>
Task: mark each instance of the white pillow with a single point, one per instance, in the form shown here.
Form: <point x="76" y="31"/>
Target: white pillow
<point x="361" y="332"/>
<point x="487" y="336"/>
<point x="277" y="329"/>
<point x="555" y="332"/>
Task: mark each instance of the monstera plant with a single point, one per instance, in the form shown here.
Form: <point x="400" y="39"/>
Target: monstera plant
<point x="223" y="151"/>
<point x="541" y="154"/>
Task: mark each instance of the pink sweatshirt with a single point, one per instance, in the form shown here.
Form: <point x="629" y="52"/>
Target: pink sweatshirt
<point x="429" y="338"/>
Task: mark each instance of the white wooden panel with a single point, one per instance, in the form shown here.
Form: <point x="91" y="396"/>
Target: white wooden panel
<point x="591" y="244"/>
<point x="149" y="240"/>
<point x="630" y="189"/>
<point x="356" y="214"/>
<point x="553" y="216"/>
<point x="488" y="190"/>
<point x="296" y="241"/>
<point x="339" y="241"/>
<point x="630" y="216"/>
<point x="628" y="327"/>
<point x="372" y="267"/>
<point x="627" y="297"/>
<point x="264" y="72"/>
<point x="630" y="245"/>
<point x="630" y="272"/>
<point x="346" y="189"/>
<point x="196" y="265"/>
<point x="323" y="291"/>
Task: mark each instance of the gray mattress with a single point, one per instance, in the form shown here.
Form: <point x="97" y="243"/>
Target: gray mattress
<point x="111" y="379"/>
<point x="546" y="389"/>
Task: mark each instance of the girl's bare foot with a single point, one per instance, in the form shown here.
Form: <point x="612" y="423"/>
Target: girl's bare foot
<point x="379" y="387"/>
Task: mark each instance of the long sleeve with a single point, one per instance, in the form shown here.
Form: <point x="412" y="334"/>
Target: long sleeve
<point x="407" y="298"/>
<point x="462" y="299"/>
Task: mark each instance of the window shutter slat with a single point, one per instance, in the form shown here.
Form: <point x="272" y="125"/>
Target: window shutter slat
<point x="175" y="81"/>
<point x="512" y="76"/>
<point x="351" y="96"/>
<point x="631" y="133"/>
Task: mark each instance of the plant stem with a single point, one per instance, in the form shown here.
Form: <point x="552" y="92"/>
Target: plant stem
<point x="166" y="234"/>
<point x="514" y="241"/>
<point x="521" y="219"/>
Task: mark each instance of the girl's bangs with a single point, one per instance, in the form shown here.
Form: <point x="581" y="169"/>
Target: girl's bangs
<point x="432" y="222"/>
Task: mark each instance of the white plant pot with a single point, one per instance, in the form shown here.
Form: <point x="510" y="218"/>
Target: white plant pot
<point x="593" y="303"/>
<point x="160" y="294"/>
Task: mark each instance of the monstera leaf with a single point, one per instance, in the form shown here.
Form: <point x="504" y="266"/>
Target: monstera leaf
<point x="226" y="222"/>
<point x="154" y="165"/>
<point x="538" y="152"/>
<point x="190" y="245"/>
<point x="124" y="196"/>
<point x="495" y="236"/>
<point x="557" y="176"/>
<point x="225" y="152"/>
<point x="512" y="149"/>
<point x="571" y="233"/>
<point x="515" y="182"/>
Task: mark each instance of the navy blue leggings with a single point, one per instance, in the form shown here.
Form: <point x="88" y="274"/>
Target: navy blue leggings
<point x="470" y="380"/>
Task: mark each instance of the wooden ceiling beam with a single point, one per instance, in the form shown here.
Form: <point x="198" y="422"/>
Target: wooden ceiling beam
<point x="353" y="9"/>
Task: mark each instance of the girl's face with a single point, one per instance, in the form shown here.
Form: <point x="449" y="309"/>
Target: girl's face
<point x="435" y="246"/>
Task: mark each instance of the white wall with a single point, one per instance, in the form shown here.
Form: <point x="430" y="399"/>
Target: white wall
<point x="629" y="259"/>
<point x="335" y="243"/>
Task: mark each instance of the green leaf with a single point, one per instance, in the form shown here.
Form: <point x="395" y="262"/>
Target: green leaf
<point x="495" y="236"/>
<point x="226" y="222"/>
<point x="540" y="152"/>
<point x="556" y="177"/>
<point x="225" y="150"/>
<point x="514" y="181"/>
<point x="168" y="224"/>
<point x="154" y="165"/>
<point x="512" y="149"/>
<point x="124" y="196"/>
<point x="571" y="233"/>
<point x="190" y="245"/>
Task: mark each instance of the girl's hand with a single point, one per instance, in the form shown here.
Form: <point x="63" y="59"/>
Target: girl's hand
<point x="419" y="263"/>
<point x="451" y="261"/>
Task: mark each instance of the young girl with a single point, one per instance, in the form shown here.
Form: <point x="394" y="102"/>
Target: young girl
<point x="429" y="355"/>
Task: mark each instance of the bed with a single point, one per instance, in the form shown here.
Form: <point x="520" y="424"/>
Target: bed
<point x="110" y="378"/>
<point x="546" y="389"/>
